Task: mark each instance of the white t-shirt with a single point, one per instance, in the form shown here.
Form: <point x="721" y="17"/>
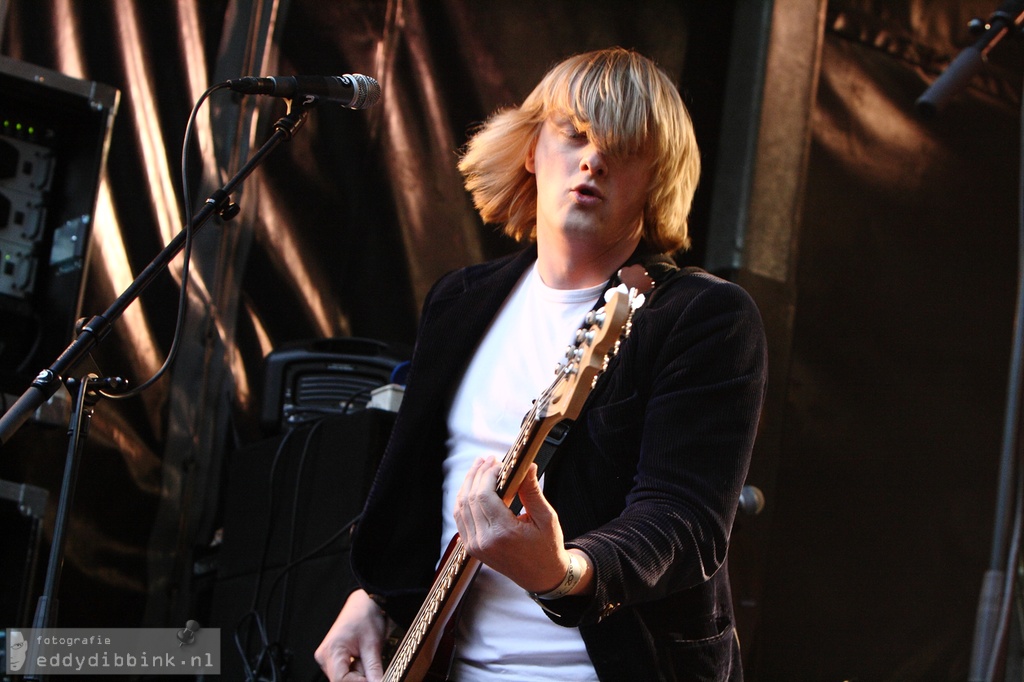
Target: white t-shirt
<point x="502" y="633"/>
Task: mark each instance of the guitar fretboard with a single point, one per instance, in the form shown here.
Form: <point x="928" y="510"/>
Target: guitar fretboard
<point x="439" y="595"/>
<point x="454" y="567"/>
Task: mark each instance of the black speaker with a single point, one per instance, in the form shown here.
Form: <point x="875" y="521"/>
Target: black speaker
<point x="311" y="379"/>
<point x="54" y="135"/>
<point x="283" y="566"/>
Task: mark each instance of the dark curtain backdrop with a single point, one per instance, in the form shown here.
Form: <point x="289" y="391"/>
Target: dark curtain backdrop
<point x="894" y="396"/>
<point x="341" y="231"/>
<point x="877" y="525"/>
<point x="896" y="404"/>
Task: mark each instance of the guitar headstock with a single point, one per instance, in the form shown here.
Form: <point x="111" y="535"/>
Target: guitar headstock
<point x="597" y="342"/>
<point x="635" y="277"/>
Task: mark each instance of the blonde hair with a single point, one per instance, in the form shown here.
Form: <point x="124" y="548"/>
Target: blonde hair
<point x="627" y="105"/>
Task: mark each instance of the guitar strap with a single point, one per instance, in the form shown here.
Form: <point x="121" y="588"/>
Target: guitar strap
<point x="545" y="453"/>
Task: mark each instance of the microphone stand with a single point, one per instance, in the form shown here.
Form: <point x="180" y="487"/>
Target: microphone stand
<point x="996" y="590"/>
<point x="85" y="391"/>
<point x="48" y="381"/>
<point x="84" y="397"/>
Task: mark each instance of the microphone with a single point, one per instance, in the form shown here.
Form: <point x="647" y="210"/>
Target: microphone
<point x="1006" y="20"/>
<point x="751" y="500"/>
<point x="353" y="90"/>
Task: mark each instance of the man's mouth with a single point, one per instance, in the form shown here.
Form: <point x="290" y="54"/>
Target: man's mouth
<point x="587" y="191"/>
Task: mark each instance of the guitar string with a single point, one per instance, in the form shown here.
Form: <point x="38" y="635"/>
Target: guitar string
<point x="455" y="563"/>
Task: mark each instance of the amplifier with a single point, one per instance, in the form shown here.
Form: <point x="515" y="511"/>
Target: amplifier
<point x="312" y="379"/>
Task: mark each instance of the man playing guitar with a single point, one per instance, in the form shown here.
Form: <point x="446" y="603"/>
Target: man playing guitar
<point x="615" y="569"/>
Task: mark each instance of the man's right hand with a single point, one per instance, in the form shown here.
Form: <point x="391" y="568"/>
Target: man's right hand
<point x="351" y="651"/>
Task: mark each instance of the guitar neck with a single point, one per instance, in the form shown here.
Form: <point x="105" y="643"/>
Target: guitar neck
<point x="415" y="654"/>
<point x="522" y="454"/>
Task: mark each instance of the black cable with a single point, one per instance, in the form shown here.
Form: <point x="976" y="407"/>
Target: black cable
<point x="186" y="254"/>
<point x="291" y="563"/>
<point x="347" y="405"/>
<point x="311" y="554"/>
<point x="270" y="652"/>
<point x="267" y="648"/>
<point x="270" y="517"/>
<point x="253" y="613"/>
<point x="293" y="529"/>
<point x="296" y="415"/>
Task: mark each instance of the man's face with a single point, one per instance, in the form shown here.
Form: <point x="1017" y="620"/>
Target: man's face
<point x="583" y="193"/>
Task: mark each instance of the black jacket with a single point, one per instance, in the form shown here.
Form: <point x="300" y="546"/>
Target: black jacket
<point x="647" y="481"/>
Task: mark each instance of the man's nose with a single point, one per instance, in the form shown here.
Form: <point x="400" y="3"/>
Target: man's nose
<point x="592" y="161"/>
